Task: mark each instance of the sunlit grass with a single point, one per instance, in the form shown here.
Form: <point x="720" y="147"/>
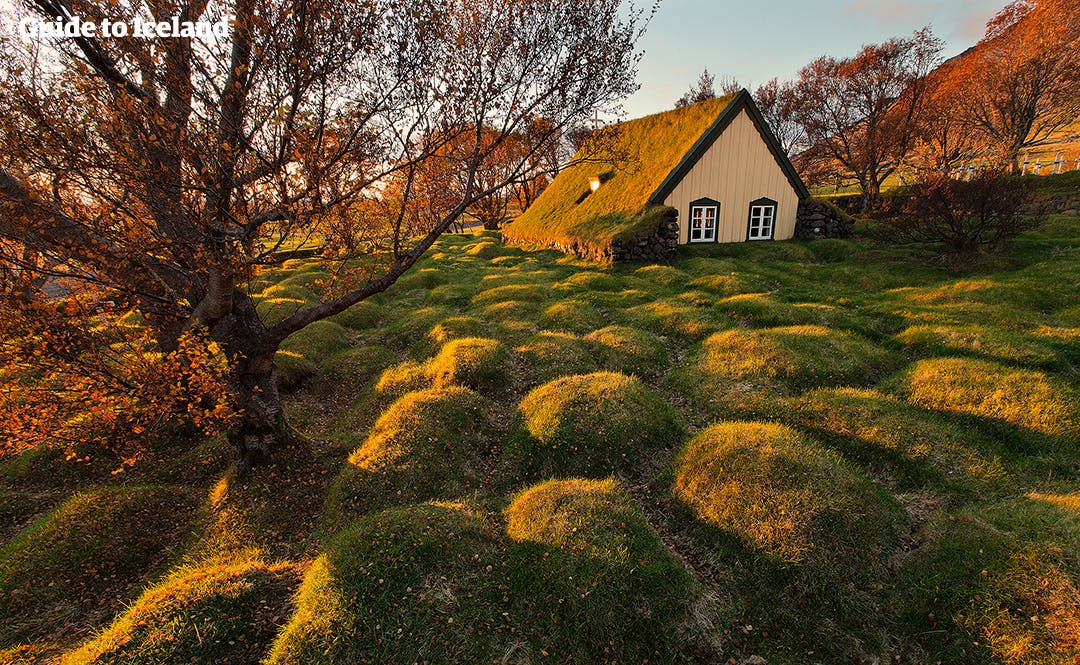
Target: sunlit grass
<point x="590" y="425"/>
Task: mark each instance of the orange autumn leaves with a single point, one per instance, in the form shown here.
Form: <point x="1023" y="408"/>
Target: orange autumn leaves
<point x="105" y="386"/>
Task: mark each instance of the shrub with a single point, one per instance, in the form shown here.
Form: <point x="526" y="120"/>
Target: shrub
<point x="71" y="568"/>
<point x="550" y="355"/>
<point x="785" y="497"/>
<point x="426" y="445"/>
<point x="967" y="216"/>
<point x="629" y="350"/>
<point x="590" y="425"/>
<point x="222" y="614"/>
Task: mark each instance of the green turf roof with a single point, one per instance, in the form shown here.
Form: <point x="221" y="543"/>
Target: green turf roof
<point x="638" y="157"/>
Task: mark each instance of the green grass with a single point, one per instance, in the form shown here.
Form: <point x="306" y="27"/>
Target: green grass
<point x="426" y="445"/>
<point x="442" y="583"/>
<point x="590" y="425"/>
<point x="226" y="613"/>
<point x="70" y="569"/>
<point x="821" y="449"/>
<point x="629" y="350"/>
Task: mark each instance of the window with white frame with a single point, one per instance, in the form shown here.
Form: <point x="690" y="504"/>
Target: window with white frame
<point x="704" y="215"/>
<point x="762" y="220"/>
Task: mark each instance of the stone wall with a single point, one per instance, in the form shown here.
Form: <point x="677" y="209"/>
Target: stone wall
<point x="1055" y="205"/>
<point x="819" y="219"/>
<point x="660" y="245"/>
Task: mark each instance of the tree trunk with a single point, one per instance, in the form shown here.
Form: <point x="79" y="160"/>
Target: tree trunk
<point x="262" y="427"/>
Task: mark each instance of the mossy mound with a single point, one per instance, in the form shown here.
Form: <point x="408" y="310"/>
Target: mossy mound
<point x="590" y="425"/>
<point x="361" y="316"/>
<point x="764" y="309"/>
<point x="480" y="364"/>
<point x="670" y="317"/>
<point x="348" y="370"/>
<point x="402" y="378"/>
<point x="785" y="497"/>
<point x="1023" y="398"/>
<point x="589" y="281"/>
<point x="629" y="350"/>
<point x="441" y="583"/>
<point x="407" y="585"/>
<point x="663" y="275"/>
<point x="550" y="355"/>
<point x="995" y="583"/>
<point x="606" y="562"/>
<point x="426" y="445"/>
<point x="989" y="341"/>
<point x="456" y="327"/>
<point x="217" y="614"/>
<point x="70" y="569"/>
<point x="511" y="293"/>
<point x="728" y="283"/>
<point x="405" y="330"/>
<point x="575" y="316"/>
<point x="796" y="357"/>
<point x="318" y="341"/>
<point x="483" y="250"/>
<point x="906" y="444"/>
<point x="17" y="508"/>
<point x="293" y="369"/>
<point x="273" y="311"/>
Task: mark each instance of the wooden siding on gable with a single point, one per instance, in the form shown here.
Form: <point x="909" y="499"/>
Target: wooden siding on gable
<point x="737" y="169"/>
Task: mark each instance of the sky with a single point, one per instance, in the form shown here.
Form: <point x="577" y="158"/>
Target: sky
<point x="755" y="40"/>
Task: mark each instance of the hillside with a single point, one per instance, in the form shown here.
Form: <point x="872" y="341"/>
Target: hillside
<point x="828" y="452"/>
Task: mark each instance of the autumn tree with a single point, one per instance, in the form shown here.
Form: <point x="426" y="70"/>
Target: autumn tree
<point x="1020" y="83"/>
<point x="779" y="104"/>
<point x="944" y="141"/>
<point x="861" y="114"/>
<point x="163" y="173"/>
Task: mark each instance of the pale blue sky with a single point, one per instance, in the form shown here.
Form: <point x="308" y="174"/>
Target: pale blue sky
<point x="755" y="40"/>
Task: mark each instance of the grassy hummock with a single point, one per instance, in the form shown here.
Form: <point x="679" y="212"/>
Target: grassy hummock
<point x="629" y="350"/>
<point x="426" y="445"/>
<point x="783" y="496"/>
<point x="71" y="568"/>
<point x="590" y="425"/>
<point x="226" y="613"/>
<point x="442" y="583"/>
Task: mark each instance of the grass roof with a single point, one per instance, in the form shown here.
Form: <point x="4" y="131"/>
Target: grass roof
<point x="632" y="159"/>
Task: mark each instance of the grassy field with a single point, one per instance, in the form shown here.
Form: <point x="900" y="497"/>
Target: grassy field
<point x="827" y="452"/>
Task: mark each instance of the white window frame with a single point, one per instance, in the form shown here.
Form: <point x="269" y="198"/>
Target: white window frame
<point x="762" y="221"/>
<point x="704" y="221"/>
